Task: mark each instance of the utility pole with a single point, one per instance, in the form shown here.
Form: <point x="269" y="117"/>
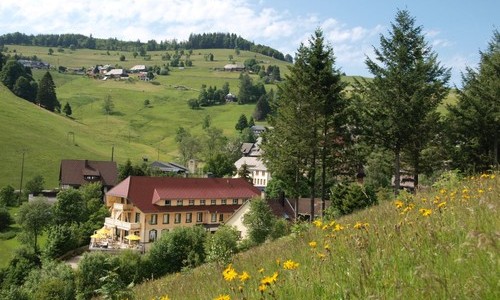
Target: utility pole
<point x="112" y="152"/>
<point x="22" y="174"/>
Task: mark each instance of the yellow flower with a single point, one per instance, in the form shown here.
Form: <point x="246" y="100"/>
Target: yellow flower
<point x="480" y="191"/>
<point x="425" y="212"/>
<point x="325" y="227"/>
<point x="399" y="203"/>
<point x="261" y="270"/>
<point x="240" y="288"/>
<point x="262" y="287"/>
<point x="278" y="262"/>
<point x="360" y="225"/>
<point x="313" y="244"/>
<point x="290" y="265"/>
<point x="321" y="256"/>
<point x="442" y="191"/>
<point x="327" y="247"/>
<point x="442" y="204"/>
<point x="244" y="276"/>
<point x="424" y="200"/>
<point x="223" y="297"/>
<point x="229" y="273"/>
<point x="338" y="227"/>
<point x="268" y="280"/>
<point x="318" y="223"/>
<point x="164" y="298"/>
<point x="492" y="176"/>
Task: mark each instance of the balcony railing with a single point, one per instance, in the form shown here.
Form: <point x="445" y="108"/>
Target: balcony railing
<point x="110" y="222"/>
<point x="121" y="206"/>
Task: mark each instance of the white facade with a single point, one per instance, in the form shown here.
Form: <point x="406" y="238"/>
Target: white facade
<point x="258" y="170"/>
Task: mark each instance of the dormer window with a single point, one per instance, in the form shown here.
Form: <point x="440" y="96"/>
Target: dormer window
<point x="179" y="202"/>
<point x="168" y="203"/>
<point x="191" y="202"/>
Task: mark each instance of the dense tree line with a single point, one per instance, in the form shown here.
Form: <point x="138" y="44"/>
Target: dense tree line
<point x="195" y="41"/>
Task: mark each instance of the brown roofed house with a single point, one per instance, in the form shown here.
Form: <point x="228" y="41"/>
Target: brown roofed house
<point x="75" y="173"/>
<point x="151" y="206"/>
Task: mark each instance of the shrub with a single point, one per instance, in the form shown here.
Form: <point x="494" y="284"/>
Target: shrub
<point x="7" y="196"/>
<point x="183" y="247"/>
<point x="5" y="218"/>
<point x="347" y="198"/>
<point x="220" y="246"/>
<point x="259" y="221"/>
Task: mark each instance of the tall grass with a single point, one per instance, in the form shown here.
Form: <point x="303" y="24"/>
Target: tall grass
<point x="441" y="244"/>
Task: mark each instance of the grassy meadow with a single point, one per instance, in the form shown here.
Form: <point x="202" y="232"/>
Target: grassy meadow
<point x="135" y="131"/>
<point x="439" y="244"/>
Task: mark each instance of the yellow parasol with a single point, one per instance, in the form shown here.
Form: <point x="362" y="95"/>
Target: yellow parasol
<point x="133" y="237"/>
<point x="104" y="231"/>
<point x="98" y="236"/>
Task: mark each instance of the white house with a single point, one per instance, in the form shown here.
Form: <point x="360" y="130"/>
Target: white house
<point x="258" y="170"/>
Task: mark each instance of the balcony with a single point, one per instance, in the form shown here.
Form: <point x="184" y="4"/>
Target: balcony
<point x="110" y="222"/>
<point x="121" y="206"/>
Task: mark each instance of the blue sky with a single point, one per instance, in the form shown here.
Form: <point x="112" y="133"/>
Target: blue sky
<point x="457" y="30"/>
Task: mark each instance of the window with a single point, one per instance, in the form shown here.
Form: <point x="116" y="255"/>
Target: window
<point x="213" y="218"/>
<point x="154" y="219"/>
<point x="166" y="218"/>
<point x="213" y="202"/>
<point x="179" y="202"/>
<point x="199" y="217"/>
<point x="221" y="217"/>
<point x="202" y="202"/>
<point x="152" y="235"/>
<point x="177" y="218"/>
<point x="189" y="217"/>
<point x="137" y="217"/>
<point x="167" y="203"/>
<point x="191" y="202"/>
<point x="235" y="201"/>
<point x="223" y="201"/>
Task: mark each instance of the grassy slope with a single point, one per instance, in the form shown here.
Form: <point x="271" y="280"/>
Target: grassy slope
<point x="135" y="131"/>
<point x="397" y="253"/>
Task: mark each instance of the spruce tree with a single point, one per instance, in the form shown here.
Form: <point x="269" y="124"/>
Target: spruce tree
<point x="399" y="105"/>
<point x="474" y="122"/>
<point x="309" y="118"/>
<point x="242" y="123"/>
<point x="67" y="109"/>
<point x="46" y="95"/>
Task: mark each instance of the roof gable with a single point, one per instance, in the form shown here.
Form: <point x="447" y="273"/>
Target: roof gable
<point x="78" y="172"/>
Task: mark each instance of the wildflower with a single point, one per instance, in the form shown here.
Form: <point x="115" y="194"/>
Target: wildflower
<point x="399" y="203"/>
<point x="223" y="297"/>
<point x="338" y="227"/>
<point x="480" y="191"/>
<point x="360" y="225"/>
<point x="317" y="223"/>
<point x="321" y="256"/>
<point x="240" y="288"/>
<point x="442" y="191"/>
<point x="262" y="288"/>
<point x="442" y="204"/>
<point x="313" y="244"/>
<point x="424" y="200"/>
<point x="229" y="273"/>
<point x="492" y="176"/>
<point x="425" y="212"/>
<point x="163" y="298"/>
<point x="290" y="265"/>
<point x="268" y="280"/>
<point x="325" y="227"/>
<point x="261" y="270"/>
<point x="244" y="276"/>
<point x="327" y="247"/>
<point x="278" y="262"/>
<point x="332" y="222"/>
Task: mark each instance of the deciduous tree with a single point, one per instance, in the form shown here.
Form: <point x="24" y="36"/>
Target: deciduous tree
<point x="34" y="217"/>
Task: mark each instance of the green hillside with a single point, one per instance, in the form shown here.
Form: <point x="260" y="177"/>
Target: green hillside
<point x="133" y="130"/>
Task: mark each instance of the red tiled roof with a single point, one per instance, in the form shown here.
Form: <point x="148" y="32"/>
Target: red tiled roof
<point x="144" y="191"/>
<point x="72" y="172"/>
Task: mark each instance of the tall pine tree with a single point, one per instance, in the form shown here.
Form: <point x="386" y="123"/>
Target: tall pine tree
<point x="474" y="121"/>
<point x="308" y="120"/>
<point x="408" y="85"/>
<point x="46" y="95"/>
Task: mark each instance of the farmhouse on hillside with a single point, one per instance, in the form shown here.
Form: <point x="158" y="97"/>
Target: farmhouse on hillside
<point x="147" y="207"/>
<point x="74" y="173"/>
